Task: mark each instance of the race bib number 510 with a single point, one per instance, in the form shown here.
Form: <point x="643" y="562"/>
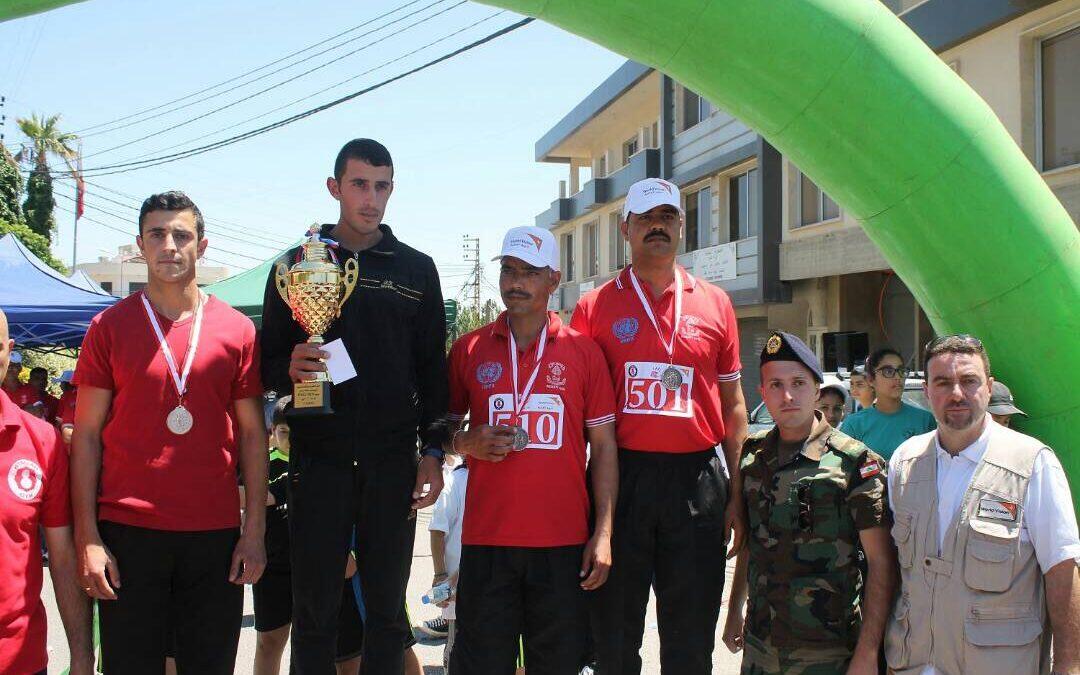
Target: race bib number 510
<point x="645" y="393"/>
<point x="542" y="418"/>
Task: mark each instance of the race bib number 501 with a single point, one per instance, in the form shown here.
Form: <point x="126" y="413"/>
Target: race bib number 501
<point x="645" y="393"/>
<point x="542" y="418"/>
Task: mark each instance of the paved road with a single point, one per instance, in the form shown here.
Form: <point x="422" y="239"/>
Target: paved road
<point x="430" y="654"/>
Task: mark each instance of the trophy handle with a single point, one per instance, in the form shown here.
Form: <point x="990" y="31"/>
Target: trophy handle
<point x="352" y="273"/>
<point x="281" y="281"/>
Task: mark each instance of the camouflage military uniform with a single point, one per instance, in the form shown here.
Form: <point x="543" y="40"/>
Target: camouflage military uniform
<point x="805" y="510"/>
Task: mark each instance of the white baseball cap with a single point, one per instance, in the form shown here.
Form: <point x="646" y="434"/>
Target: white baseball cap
<point x="534" y="245"/>
<point x="648" y="194"/>
<point x="16" y="357"/>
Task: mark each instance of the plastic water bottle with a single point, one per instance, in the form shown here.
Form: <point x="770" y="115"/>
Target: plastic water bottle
<point x="437" y="594"/>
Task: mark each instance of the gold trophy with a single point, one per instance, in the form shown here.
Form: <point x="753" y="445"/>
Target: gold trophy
<point x="315" y="289"/>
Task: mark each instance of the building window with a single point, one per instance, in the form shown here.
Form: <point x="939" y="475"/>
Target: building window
<point x="743" y="206"/>
<point x="655" y="141"/>
<point x="629" y="149"/>
<point x="814" y="205"/>
<point x="617" y="253"/>
<point x="1060" y="60"/>
<point x="601" y="166"/>
<point x="694" y="109"/>
<point x="592" y="249"/>
<point x="568" y="256"/>
<point x="136" y="286"/>
<point x="698" y="210"/>
<point x="106" y="286"/>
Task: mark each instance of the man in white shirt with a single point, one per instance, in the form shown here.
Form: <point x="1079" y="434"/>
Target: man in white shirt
<point x="986" y="536"/>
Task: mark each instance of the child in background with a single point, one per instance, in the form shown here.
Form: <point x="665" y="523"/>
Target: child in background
<point x="445" y="530"/>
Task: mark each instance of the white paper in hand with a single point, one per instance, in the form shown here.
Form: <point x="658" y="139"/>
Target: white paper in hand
<point x="338" y="364"/>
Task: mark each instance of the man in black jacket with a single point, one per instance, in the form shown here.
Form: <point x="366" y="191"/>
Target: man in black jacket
<point x="359" y="465"/>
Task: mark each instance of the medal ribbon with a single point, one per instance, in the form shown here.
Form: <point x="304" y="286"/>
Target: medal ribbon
<point x="541" y="342"/>
<point x="179" y="380"/>
<point x="669" y="345"/>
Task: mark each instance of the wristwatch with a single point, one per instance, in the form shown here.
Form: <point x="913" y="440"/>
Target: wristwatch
<point x="432" y="451"/>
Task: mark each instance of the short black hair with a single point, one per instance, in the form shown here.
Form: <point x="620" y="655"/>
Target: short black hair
<point x="281" y="406"/>
<point x="38" y="369"/>
<point x="365" y="150"/>
<point x="875" y="359"/>
<point x="173" y="200"/>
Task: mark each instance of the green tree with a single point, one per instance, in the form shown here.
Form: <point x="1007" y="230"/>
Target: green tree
<point x="46" y="139"/>
<point x="469" y="318"/>
<point x="10" y="188"/>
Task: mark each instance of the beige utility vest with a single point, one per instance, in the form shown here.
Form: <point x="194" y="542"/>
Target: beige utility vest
<point x="978" y="606"/>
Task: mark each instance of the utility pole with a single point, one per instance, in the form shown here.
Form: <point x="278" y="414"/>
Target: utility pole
<point x="3" y="118"/>
<point x="471" y="249"/>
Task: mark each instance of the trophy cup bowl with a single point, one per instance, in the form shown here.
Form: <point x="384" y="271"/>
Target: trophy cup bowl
<point x="315" y="288"/>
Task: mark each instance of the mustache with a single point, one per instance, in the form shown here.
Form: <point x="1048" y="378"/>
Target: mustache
<point x="657" y="234"/>
<point x="517" y="294"/>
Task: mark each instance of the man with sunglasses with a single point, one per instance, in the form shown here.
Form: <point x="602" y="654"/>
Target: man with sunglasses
<point x="890" y="421"/>
<point x="813" y="496"/>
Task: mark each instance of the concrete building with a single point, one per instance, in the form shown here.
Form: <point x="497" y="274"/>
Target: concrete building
<point x="788" y="256"/>
<point x="125" y="272"/>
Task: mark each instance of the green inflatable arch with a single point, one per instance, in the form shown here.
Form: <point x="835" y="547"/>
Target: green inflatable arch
<point x="846" y="91"/>
<point x="861" y="105"/>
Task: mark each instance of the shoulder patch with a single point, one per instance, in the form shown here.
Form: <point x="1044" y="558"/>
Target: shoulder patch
<point x="840" y="442"/>
<point x="870" y="467"/>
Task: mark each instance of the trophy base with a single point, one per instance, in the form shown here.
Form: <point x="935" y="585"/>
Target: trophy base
<point x="311" y="399"/>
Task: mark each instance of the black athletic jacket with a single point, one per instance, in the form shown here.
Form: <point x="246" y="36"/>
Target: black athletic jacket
<point x="394" y="328"/>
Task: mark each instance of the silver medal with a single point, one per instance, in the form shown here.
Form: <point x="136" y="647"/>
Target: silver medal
<point x="671" y="379"/>
<point x="179" y="420"/>
<point x="521" y="439"/>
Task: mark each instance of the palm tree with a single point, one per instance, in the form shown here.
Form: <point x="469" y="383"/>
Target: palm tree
<point x="46" y="138"/>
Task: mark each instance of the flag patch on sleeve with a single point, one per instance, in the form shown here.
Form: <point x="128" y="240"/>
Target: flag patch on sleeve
<point x="870" y="468"/>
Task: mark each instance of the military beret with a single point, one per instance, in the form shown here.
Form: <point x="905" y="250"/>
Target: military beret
<point x="786" y="347"/>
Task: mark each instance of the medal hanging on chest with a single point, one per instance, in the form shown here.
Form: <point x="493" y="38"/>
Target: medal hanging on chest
<point x="521" y="434"/>
<point x="179" y="420"/>
<point x="672" y="378"/>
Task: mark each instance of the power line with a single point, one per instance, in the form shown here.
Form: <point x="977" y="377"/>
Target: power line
<point x="250" y="241"/>
<point x="321" y="91"/>
<point x="278" y="84"/>
<point x="83" y="133"/>
<point x="216" y="234"/>
<point x="165" y="159"/>
<point x="218" y="222"/>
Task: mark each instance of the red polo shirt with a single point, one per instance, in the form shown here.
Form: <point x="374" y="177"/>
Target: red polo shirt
<point x="151" y="477"/>
<point x="34" y="491"/>
<point x="65" y="411"/>
<point x="649" y="417"/>
<point x="536" y="497"/>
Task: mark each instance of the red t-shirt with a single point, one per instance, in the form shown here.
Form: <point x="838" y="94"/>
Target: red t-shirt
<point x="649" y="417"/>
<point x="34" y="491"/>
<point x="25" y="394"/>
<point x="151" y="477"/>
<point x="65" y="411"/>
<point x="536" y="497"/>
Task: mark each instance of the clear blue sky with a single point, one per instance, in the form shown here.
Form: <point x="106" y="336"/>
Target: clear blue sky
<point x="461" y="133"/>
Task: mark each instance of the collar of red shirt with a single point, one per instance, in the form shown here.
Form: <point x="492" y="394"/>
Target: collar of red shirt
<point x="500" y="327"/>
<point x="622" y="282"/>
<point x="9" y="412"/>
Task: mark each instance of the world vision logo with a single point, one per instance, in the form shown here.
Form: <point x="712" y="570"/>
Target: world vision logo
<point x="531" y="241"/>
<point x="537" y="241"/>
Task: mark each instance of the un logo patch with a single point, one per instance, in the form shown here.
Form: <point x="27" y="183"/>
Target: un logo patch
<point x="488" y="373"/>
<point x="625" y="329"/>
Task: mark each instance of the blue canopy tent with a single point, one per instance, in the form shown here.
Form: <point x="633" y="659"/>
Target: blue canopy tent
<point x="83" y="280"/>
<point x="44" y="309"/>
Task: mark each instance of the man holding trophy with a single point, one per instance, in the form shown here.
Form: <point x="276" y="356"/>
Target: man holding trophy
<point x="353" y="290"/>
